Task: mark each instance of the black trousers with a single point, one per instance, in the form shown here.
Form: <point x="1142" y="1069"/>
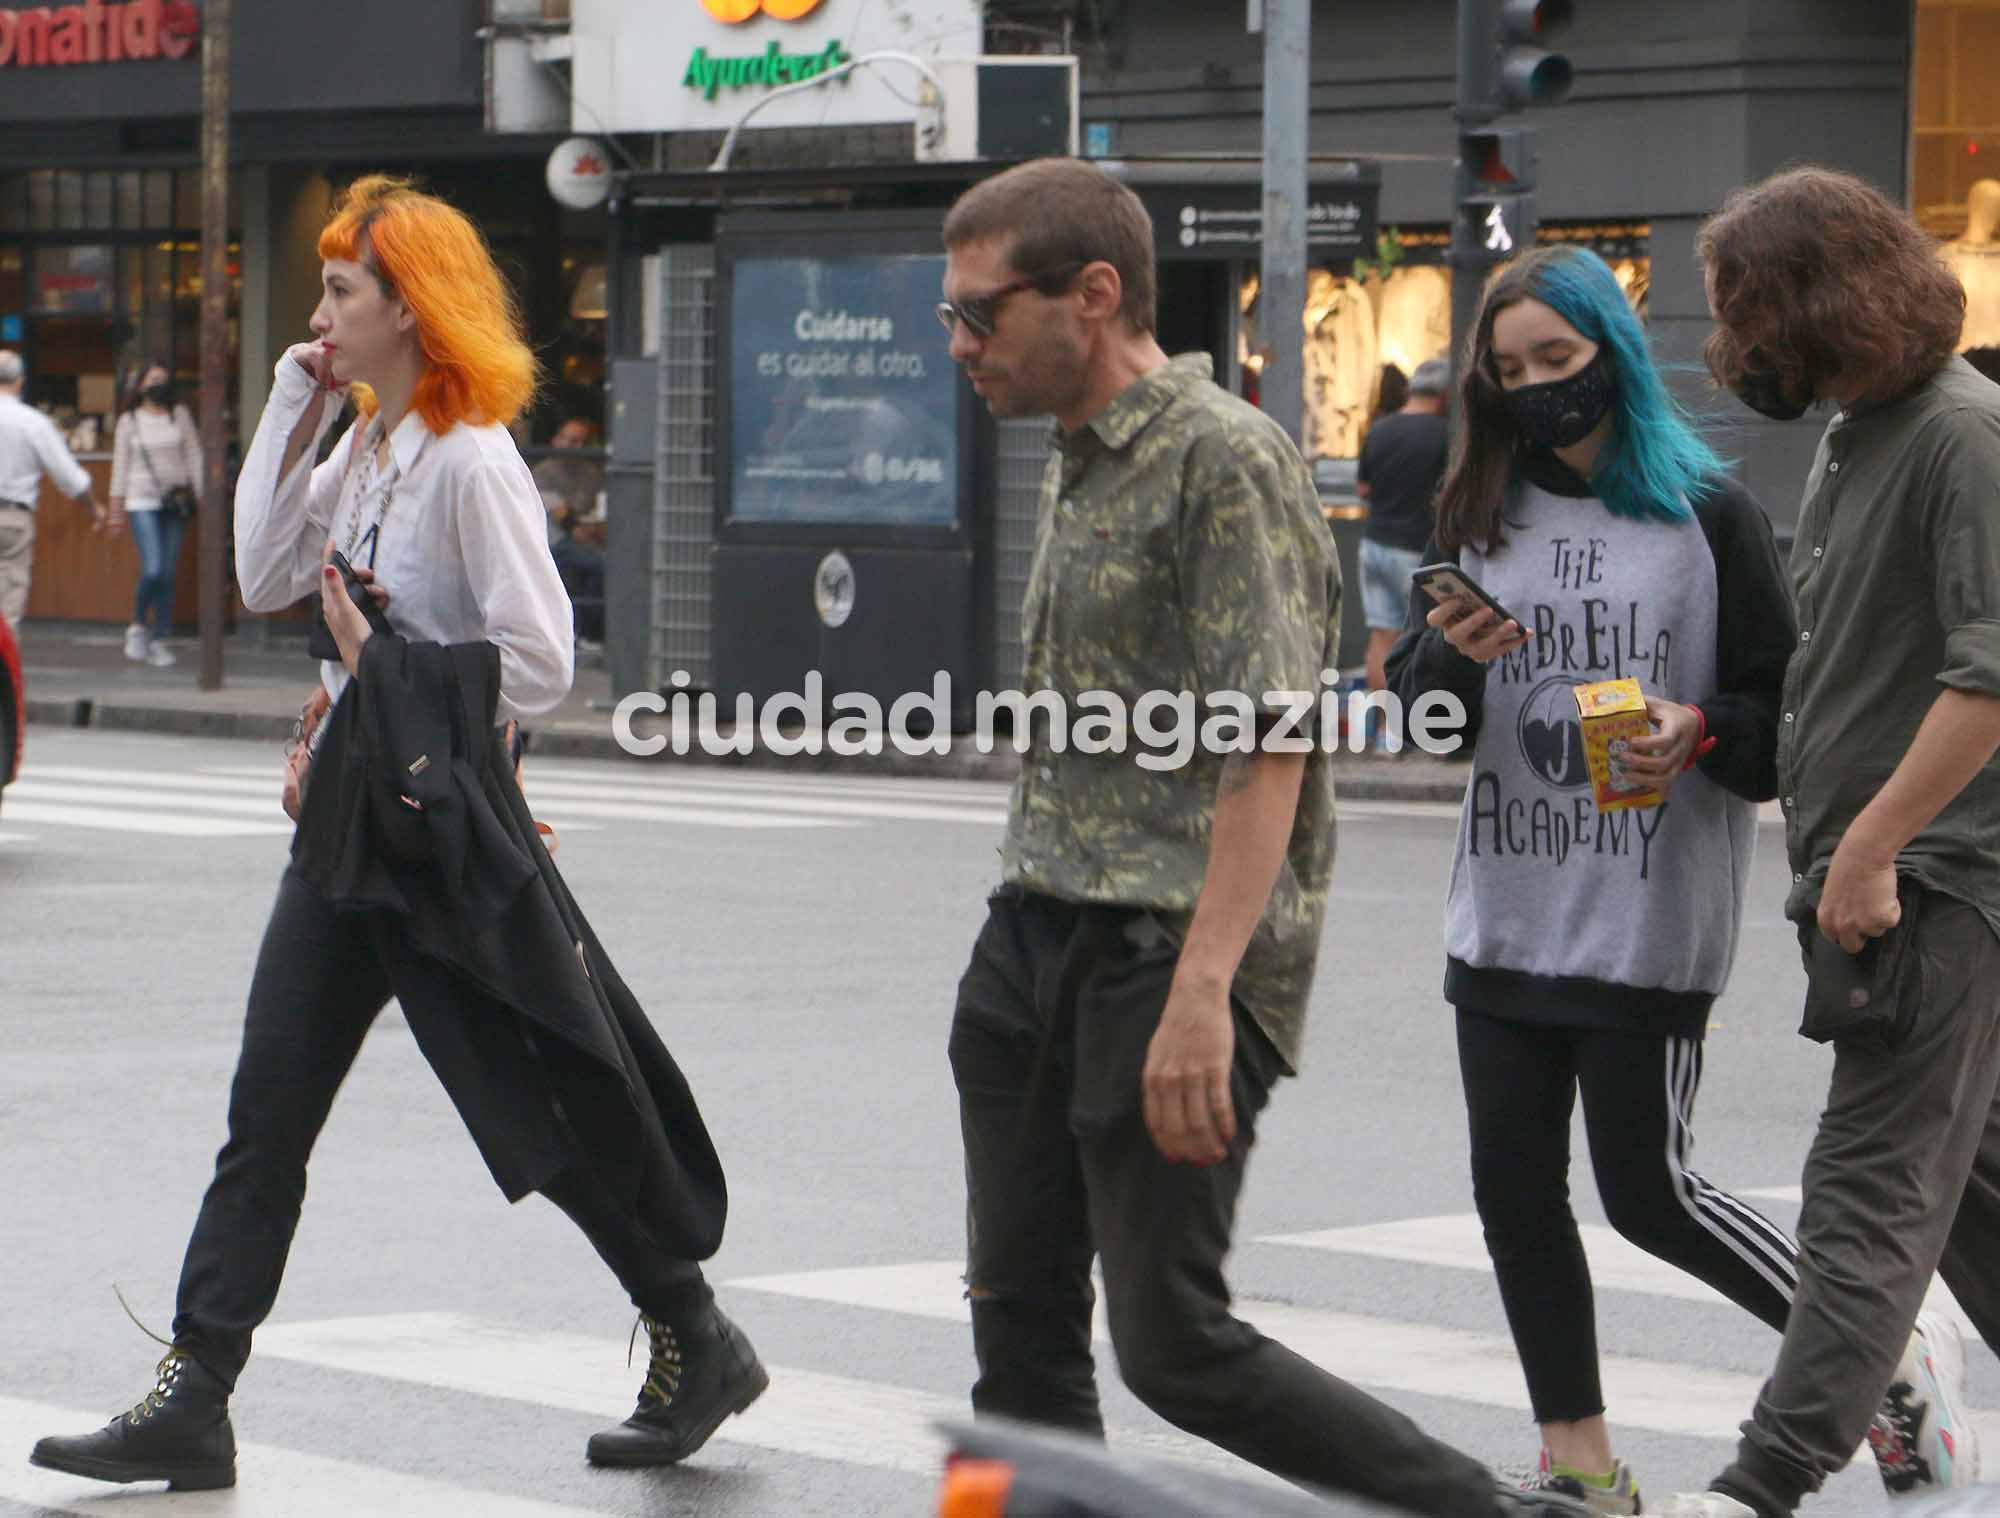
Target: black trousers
<point x="321" y="978"/>
<point x="1521" y="1083"/>
<point x="1048" y="1042"/>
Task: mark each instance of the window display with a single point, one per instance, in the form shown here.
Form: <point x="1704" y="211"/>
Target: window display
<point x="1400" y="315"/>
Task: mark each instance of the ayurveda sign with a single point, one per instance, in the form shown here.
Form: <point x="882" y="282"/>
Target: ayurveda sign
<point x="731" y="54"/>
<point x="97" y="31"/>
<point x="767" y="70"/>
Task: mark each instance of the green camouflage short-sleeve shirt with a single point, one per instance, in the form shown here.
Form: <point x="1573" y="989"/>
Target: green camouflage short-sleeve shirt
<point x="1181" y="551"/>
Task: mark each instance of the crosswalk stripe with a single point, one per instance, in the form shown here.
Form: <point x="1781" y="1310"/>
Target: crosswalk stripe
<point x="1419" y="1359"/>
<point x="558" y="792"/>
<point x="160" y="780"/>
<point x="565" y="792"/>
<point x="263" y="807"/>
<point x="698" y="816"/>
<point x="809" y="1413"/>
<point x="271" y="1481"/>
<point x="732" y="781"/>
<point x="134" y="820"/>
<point x="1457" y="1242"/>
<point x="182" y="791"/>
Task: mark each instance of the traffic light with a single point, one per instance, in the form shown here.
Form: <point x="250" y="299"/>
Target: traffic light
<point x="1496" y="192"/>
<point x="1502" y="65"/>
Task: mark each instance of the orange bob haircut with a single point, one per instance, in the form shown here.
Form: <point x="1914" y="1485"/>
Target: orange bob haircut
<point x="426" y="253"/>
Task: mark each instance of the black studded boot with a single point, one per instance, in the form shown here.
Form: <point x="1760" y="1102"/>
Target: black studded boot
<point x="702" y="1371"/>
<point x="179" y="1433"/>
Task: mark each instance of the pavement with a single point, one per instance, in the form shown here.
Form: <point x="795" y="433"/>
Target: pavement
<point x="77" y="676"/>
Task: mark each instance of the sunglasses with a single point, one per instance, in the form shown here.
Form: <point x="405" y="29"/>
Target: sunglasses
<point x="982" y="312"/>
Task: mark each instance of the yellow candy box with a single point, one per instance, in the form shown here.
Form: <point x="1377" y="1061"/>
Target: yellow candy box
<point x="1613" y="712"/>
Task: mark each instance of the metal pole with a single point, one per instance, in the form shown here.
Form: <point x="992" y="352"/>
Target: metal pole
<point x="214" y="535"/>
<point x="1282" y="295"/>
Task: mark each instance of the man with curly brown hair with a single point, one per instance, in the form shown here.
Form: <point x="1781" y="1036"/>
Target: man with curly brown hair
<point x="1823" y="291"/>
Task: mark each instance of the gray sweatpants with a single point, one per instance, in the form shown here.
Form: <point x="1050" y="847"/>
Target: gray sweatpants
<point x="1903" y="1180"/>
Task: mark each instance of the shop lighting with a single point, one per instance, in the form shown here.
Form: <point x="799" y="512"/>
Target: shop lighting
<point x="930" y="103"/>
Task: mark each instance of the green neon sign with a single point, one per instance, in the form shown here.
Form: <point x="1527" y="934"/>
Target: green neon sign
<point x="770" y="69"/>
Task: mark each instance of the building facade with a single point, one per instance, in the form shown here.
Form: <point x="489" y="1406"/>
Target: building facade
<point x="100" y="226"/>
<point x="1673" y="107"/>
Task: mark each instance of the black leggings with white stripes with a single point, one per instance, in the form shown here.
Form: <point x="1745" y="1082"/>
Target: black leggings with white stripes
<point x="1521" y="1081"/>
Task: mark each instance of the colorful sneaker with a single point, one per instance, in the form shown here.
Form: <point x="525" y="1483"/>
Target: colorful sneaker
<point x="1616" y="1493"/>
<point x="1703" y="1505"/>
<point x="1921" y="1438"/>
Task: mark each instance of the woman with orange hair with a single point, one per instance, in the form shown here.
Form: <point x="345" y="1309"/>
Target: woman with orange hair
<point x="558" y="1074"/>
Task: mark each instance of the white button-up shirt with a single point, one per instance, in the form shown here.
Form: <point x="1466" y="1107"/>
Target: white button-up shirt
<point x="30" y="447"/>
<point x="453" y="527"/>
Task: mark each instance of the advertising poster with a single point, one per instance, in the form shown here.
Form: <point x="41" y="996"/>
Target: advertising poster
<point x="843" y="398"/>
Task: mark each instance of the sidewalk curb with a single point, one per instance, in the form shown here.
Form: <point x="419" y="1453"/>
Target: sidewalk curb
<point x="1356" y="778"/>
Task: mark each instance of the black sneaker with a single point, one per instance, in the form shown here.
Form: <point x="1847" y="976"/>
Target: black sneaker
<point x="701" y="1372"/>
<point x="179" y="1433"/>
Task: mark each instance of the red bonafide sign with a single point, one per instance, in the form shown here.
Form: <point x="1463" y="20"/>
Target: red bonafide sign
<point x="97" y="31"/>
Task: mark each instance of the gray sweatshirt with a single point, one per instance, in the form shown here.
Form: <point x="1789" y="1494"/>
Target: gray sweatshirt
<point x="1557" y="912"/>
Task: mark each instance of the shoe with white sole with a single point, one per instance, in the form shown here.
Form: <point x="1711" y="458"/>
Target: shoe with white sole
<point x="1922" y="1439"/>
<point x="1615" y="1495"/>
<point x="160" y="656"/>
<point x="1703" y="1505"/>
<point x="136" y="643"/>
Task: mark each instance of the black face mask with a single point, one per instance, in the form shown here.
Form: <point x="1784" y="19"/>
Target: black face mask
<point x="159" y="395"/>
<point x="1761" y="390"/>
<point x="1562" y="413"/>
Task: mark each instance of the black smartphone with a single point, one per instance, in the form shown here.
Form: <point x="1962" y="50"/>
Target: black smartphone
<point x="357" y="592"/>
<point x="1443" y="581"/>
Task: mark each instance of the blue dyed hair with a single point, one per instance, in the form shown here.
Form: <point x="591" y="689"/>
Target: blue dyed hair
<point x="1654" y="462"/>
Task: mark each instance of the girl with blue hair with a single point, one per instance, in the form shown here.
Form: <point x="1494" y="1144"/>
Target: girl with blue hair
<point x="1585" y="947"/>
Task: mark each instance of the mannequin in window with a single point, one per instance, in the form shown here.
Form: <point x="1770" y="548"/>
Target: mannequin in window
<point x="1340" y="369"/>
<point x="1975" y="258"/>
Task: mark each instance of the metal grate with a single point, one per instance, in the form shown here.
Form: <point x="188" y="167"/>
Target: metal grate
<point x="1021" y="451"/>
<point x="683" y="476"/>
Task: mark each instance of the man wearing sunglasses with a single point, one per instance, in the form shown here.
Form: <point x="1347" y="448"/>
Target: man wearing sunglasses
<point x="1142" y="978"/>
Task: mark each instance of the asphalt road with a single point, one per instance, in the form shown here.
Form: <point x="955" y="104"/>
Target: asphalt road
<point x="797" y="940"/>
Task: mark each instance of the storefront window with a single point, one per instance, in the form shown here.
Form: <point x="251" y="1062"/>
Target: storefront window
<point x="69" y="201"/>
<point x="97" y="278"/>
<point x="1394" y="316"/>
<point x="13" y="296"/>
<point x="159" y="210"/>
<point x="1955" y="157"/>
<point x="42" y="200"/>
<point x="131" y="199"/>
<point x="74" y="280"/>
<point x="99" y="193"/>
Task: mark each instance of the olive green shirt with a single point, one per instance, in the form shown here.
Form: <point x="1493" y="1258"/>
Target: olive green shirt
<point x="1896" y="565"/>
<point x="1180" y="549"/>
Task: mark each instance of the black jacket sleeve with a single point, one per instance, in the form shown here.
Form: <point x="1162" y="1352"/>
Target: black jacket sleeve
<point x="1756" y="629"/>
<point x="1423" y="661"/>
